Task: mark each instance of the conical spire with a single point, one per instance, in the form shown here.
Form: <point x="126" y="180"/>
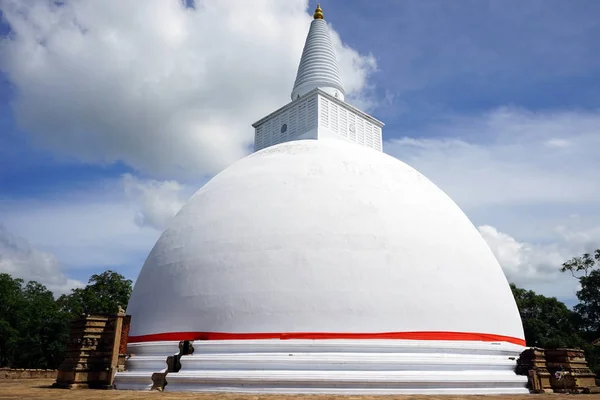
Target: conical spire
<point x="318" y="65"/>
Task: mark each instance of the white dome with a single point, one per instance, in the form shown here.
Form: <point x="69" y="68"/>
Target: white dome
<point x="322" y="237"/>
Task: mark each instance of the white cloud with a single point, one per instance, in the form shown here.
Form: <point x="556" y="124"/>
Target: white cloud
<point x="157" y="202"/>
<point x="581" y="240"/>
<point x="109" y="224"/>
<point x="523" y="263"/>
<point x="168" y="90"/>
<point x="19" y="259"/>
<point x="502" y="157"/>
<point x="536" y="266"/>
<point x="558" y="143"/>
<point x="89" y="229"/>
<point x="356" y="71"/>
<point x="527" y="179"/>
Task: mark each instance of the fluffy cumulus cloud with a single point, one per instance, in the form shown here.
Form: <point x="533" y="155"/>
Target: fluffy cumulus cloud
<point x="167" y="89"/>
<point x="156" y="201"/>
<point x="527" y="265"/>
<point x="527" y="179"/>
<point x="536" y="265"/>
<point x="21" y="260"/>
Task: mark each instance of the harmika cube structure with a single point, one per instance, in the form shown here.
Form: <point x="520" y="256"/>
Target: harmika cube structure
<point x="319" y="264"/>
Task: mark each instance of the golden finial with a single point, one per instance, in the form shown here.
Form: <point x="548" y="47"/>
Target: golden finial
<point x="318" y="12"/>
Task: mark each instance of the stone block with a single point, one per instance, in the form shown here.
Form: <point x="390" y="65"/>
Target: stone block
<point x="92" y="355"/>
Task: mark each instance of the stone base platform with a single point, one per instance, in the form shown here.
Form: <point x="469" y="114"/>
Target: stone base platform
<point x="328" y="366"/>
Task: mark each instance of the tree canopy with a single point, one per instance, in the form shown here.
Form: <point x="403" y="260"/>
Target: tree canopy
<point x="547" y="322"/>
<point x="103" y="294"/>
<point x="588" y="308"/>
<point x="586" y="269"/>
<point x="34" y="327"/>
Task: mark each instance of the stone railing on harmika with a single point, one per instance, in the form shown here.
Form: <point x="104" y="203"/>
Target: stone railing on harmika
<point x="96" y="350"/>
<point x="557" y="370"/>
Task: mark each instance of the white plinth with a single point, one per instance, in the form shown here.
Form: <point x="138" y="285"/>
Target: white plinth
<point x="333" y="366"/>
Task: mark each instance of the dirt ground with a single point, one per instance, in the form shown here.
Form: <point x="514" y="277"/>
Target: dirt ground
<point x="26" y="389"/>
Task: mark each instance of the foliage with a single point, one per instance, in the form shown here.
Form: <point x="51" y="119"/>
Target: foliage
<point x="12" y="303"/>
<point x="585" y="269"/>
<point x="43" y="327"/>
<point x="103" y="295"/>
<point x="547" y="322"/>
<point x="33" y="330"/>
<point x="588" y="308"/>
<point x="34" y="327"/>
<point x="585" y="263"/>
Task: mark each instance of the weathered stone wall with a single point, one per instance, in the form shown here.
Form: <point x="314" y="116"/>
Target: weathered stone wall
<point x="577" y="376"/>
<point x="92" y="357"/>
<point x="559" y="370"/>
<point x="532" y="363"/>
<point x="10" y="373"/>
<point x="124" y="334"/>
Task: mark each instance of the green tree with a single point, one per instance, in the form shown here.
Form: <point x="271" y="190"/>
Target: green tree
<point x="33" y="330"/>
<point x="34" y="327"/>
<point x="547" y="322"/>
<point x="588" y="308"/>
<point x="583" y="265"/>
<point x="103" y="294"/>
<point x="43" y="329"/>
<point x="12" y="303"/>
<point x="585" y="269"/>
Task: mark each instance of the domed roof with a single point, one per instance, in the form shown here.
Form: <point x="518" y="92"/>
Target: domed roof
<point x="322" y="237"/>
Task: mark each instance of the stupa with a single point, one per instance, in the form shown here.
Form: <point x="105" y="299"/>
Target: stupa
<point x="319" y="264"/>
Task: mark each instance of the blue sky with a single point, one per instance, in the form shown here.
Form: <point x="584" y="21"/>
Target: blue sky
<point x="495" y="101"/>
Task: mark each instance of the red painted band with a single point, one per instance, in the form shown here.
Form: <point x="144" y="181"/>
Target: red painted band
<point x="465" y="336"/>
